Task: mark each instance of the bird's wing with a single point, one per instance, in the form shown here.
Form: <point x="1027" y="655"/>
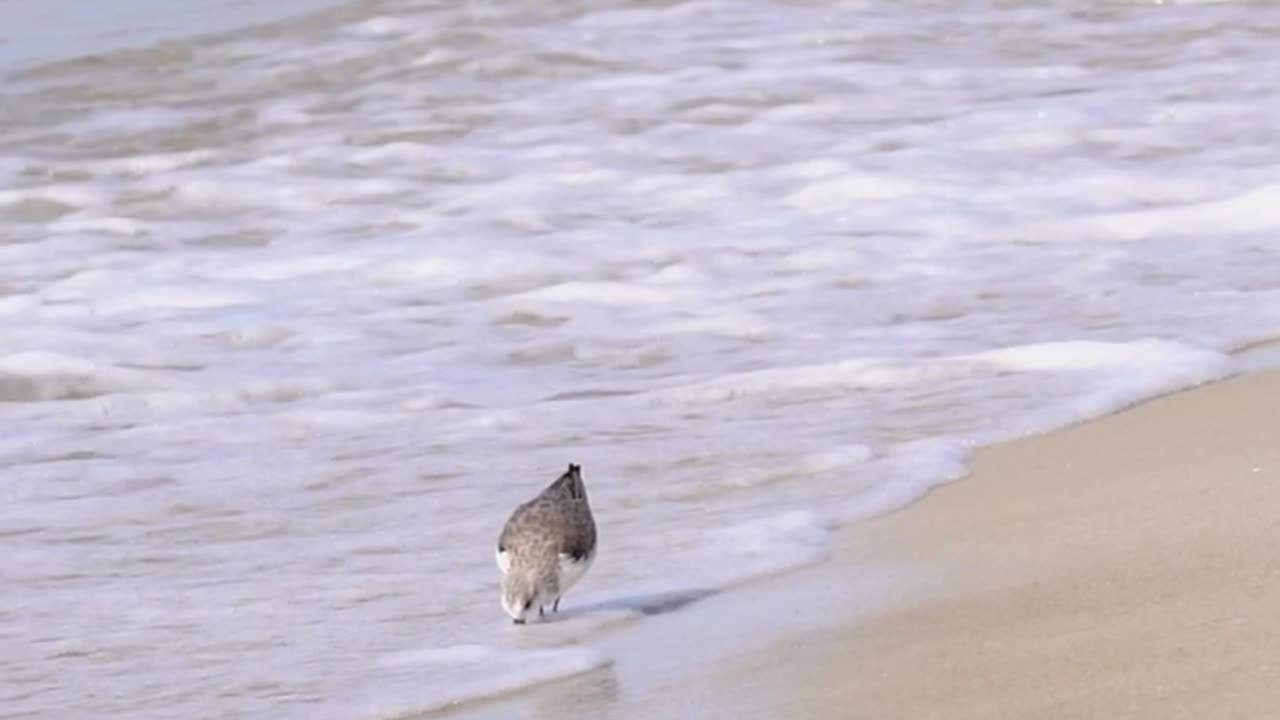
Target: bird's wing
<point x="517" y="518"/>
<point x="580" y="541"/>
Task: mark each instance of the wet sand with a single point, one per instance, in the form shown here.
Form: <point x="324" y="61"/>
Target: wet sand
<point x="1128" y="567"/>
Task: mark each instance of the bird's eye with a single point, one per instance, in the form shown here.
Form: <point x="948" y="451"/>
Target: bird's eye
<point x="528" y="604"/>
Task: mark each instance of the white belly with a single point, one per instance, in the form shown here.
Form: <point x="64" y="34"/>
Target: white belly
<point x="571" y="571"/>
<point x="504" y="560"/>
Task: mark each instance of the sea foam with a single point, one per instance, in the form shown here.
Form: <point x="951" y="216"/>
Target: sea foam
<point x="411" y="683"/>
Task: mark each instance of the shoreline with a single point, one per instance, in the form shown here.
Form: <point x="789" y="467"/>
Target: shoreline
<point x="1121" y="567"/>
<point x="1103" y="569"/>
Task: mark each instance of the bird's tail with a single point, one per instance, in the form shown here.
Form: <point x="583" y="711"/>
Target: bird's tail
<point x="571" y="484"/>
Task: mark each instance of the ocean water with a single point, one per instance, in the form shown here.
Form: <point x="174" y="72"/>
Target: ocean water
<point x="298" y="304"/>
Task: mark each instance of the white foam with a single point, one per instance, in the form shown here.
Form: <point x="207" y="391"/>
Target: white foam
<point x="174" y="297"/>
<point x="381" y="26"/>
<point x="1248" y="212"/>
<point x="108" y="225"/>
<point x="600" y="293"/>
<point x="18" y="304"/>
<point x="839" y="193"/>
<point x="1156" y="357"/>
<point x="771" y="544"/>
<point x="412" y="683"/>
<point x="42" y="376"/>
<point x="919" y="466"/>
<point x="1118" y="375"/>
<point x="797" y="383"/>
<point x="292" y="268"/>
<point x="72" y="196"/>
<point x="137" y="165"/>
<point x="134" y="119"/>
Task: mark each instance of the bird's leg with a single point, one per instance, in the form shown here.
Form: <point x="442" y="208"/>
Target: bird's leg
<point x="556" y="606"/>
<point x="541" y="614"/>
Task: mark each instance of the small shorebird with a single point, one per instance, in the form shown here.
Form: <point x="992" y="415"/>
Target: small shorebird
<point x="546" y="546"/>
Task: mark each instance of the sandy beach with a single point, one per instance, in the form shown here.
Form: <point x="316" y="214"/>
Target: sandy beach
<point x="1123" y="568"/>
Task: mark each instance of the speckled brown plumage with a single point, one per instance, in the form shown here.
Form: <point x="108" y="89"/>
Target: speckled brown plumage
<point x="546" y="545"/>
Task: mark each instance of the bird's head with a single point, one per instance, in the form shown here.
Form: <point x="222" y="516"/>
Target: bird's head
<point x="519" y="595"/>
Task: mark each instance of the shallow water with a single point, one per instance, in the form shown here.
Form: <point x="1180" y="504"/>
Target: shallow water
<point x="297" y="309"/>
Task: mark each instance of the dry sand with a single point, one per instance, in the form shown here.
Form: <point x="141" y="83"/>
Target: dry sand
<point x="1124" y="568"/>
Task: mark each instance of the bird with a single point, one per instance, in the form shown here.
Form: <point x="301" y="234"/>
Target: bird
<point x="546" y="546"/>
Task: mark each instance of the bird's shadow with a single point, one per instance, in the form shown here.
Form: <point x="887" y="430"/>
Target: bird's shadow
<point x="658" y="603"/>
